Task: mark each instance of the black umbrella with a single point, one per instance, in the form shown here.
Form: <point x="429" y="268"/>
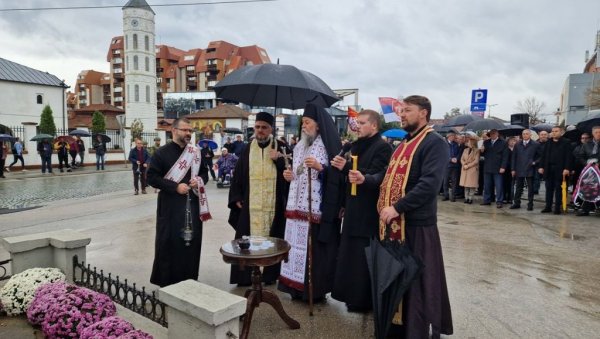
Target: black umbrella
<point x="42" y="136"/>
<point x="588" y="122"/>
<point x="463" y="119"/>
<point x="6" y="137"/>
<point x="105" y="138"/>
<point x="392" y="269"/>
<point x="232" y="130"/>
<point x="443" y="129"/>
<point x="274" y="85"/>
<point x="511" y="130"/>
<point x="483" y="124"/>
<point x="573" y="134"/>
<point x="80" y="132"/>
<point x="542" y="127"/>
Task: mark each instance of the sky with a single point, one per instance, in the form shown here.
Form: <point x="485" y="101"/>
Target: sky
<point x="385" y="48"/>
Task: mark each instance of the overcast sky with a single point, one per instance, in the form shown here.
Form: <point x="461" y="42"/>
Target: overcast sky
<point x="440" y="49"/>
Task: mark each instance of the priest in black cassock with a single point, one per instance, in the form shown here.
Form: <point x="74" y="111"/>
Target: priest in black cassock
<point x="361" y="219"/>
<point x="258" y="193"/>
<point x="171" y="171"/>
<point x="319" y="144"/>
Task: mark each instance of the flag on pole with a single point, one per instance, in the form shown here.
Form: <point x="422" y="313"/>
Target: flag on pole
<point x="352" y="115"/>
<point x="389" y="107"/>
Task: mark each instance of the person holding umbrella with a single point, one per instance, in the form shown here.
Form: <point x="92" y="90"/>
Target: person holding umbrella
<point x="207" y="159"/>
<point x="100" y="147"/>
<point x="44" y="149"/>
<point x="258" y="193"/>
<point x="556" y="164"/>
<point x="313" y="209"/>
<point x="407" y="208"/>
<point x="62" y="150"/>
<point x="81" y="151"/>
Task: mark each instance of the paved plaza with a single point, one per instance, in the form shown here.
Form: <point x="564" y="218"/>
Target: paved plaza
<point x="511" y="273"/>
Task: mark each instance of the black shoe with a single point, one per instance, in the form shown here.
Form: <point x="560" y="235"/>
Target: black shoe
<point x="499" y="205"/>
<point x="582" y="213"/>
<point x="514" y="207"/>
<point x="358" y="309"/>
<point x="485" y="203"/>
<point x="557" y="212"/>
<point x="470" y="202"/>
<point x="452" y="200"/>
<point x="530" y="208"/>
<point x="445" y="199"/>
<point x="546" y="210"/>
<point x="466" y="201"/>
<point x="136" y="193"/>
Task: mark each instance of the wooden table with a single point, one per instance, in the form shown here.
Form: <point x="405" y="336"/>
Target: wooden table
<point x="256" y="258"/>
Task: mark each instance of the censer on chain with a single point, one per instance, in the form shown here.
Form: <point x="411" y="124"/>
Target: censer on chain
<point x="187" y="233"/>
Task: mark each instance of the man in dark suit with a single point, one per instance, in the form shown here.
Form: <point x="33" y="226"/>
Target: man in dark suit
<point x="453" y="169"/>
<point x="556" y="162"/>
<point x="524" y="159"/>
<point x="495" y="152"/>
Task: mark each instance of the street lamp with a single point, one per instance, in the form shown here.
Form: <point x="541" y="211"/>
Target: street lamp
<point x="490" y="109"/>
<point x="64" y="87"/>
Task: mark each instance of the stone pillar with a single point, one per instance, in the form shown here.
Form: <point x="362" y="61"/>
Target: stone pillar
<point x="50" y="249"/>
<point x="196" y="310"/>
<point x="30" y="130"/>
<point x="280" y="125"/>
<point x="162" y="134"/>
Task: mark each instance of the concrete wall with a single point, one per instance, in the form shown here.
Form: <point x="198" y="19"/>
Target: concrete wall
<point x="18" y="103"/>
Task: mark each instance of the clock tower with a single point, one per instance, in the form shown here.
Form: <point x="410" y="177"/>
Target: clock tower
<point x="140" y="60"/>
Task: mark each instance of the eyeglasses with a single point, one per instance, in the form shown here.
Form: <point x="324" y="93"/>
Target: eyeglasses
<point x="187" y="130"/>
<point x="261" y="127"/>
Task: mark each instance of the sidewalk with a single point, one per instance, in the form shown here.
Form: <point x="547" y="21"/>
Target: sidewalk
<point x="17" y="174"/>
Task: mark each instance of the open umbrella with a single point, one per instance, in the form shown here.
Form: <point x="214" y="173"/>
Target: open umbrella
<point x="588" y="122"/>
<point x="274" y="85"/>
<point x="511" y="130"/>
<point x="392" y="269"/>
<point x="463" y="119"/>
<point x="6" y="137"/>
<point x="395" y="133"/>
<point x="572" y="133"/>
<point x="66" y="138"/>
<point x="542" y="127"/>
<point x="211" y="144"/>
<point x="41" y="137"/>
<point x="232" y="130"/>
<point x="80" y="132"/>
<point x="105" y="138"/>
<point x="483" y="124"/>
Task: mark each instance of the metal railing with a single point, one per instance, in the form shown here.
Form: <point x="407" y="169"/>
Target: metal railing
<point x="122" y="293"/>
<point x="3" y="272"/>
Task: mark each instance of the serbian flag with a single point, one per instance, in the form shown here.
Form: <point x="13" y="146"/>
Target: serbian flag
<point x="389" y="107"/>
<point x="352" y="115"/>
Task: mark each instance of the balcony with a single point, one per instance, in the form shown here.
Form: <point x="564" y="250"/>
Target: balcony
<point x="118" y="89"/>
<point x="117" y="70"/>
<point x="119" y="99"/>
<point x="117" y="60"/>
<point x="212" y="83"/>
<point x="191" y="79"/>
<point x="190" y="68"/>
<point x="83" y="102"/>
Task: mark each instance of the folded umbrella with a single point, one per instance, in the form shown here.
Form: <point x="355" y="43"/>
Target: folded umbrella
<point x="563" y="185"/>
<point x="392" y="269"/>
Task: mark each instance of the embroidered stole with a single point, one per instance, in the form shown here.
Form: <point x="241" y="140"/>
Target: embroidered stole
<point x="393" y="186"/>
<point x="296" y="226"/>
<point x="263" y="180"/>
<point x="190" y="158"/>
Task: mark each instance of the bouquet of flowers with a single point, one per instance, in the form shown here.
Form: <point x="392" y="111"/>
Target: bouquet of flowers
<point x="109" y="328"/>
<point x="136" y="334"/>
<point x="17" y="294"/>
<point x="75" y="310"/>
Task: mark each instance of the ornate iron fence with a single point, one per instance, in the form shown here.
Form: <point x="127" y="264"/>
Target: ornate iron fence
<point x="122" y="293"/>
<point x="3" y="272"/>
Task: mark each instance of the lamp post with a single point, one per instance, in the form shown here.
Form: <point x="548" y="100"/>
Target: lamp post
<point x="64" y="88"/>
<point x="490" y="109"/>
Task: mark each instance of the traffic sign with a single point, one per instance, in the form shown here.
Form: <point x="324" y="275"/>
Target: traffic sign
<point x="478" y="100"/>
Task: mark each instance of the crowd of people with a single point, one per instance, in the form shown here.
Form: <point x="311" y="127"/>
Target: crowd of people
<point x="305" y="199"/>
<point x="500" y="168"/>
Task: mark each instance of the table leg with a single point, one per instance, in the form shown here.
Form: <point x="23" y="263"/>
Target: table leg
<point x="272" y="299"/>
<point x="251" y="304"/>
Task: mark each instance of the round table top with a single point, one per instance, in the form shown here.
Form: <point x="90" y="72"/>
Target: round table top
<point x="260" y="248"/>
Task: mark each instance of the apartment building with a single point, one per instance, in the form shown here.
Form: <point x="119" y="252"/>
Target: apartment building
<point x="115" y="57"/>
<point x="91" y="88"/>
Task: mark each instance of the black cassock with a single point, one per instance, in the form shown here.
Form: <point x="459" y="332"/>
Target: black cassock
<point x="239" y="219"/>
<point x="173" y="260"/>
<point x="352" y="284"/>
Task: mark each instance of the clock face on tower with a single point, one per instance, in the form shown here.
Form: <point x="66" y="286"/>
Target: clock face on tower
<point x="134" y="22"/>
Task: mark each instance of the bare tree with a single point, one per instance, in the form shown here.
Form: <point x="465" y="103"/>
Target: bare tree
<point x="453" y="112"/>
<point x="533" y="107"/>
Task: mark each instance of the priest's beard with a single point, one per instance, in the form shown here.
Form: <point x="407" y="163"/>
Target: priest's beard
<point x="263" y="141"/>
<point x="410" y="128"/>
<point x="308" y="139"/>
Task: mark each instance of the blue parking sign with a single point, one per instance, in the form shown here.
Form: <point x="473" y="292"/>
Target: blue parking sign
<point x="478" y="100"/>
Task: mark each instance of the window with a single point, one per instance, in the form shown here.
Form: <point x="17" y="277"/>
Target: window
<point x="146" y="43"/>
<point x="137" y="93"/>
<point x="127" y="62"/>
<point x="135" y="41"/>
<point x="147" y="64"/>
<point x="126" y="41"/>
<point x="39" y="99"/>
<point x="128" y="94"/>
<point x="147" y="93"/>
<point x="135" y="62"/>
